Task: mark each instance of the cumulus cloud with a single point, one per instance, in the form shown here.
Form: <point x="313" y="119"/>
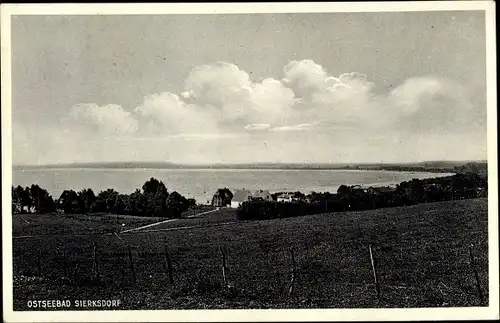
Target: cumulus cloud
<point x="227" y="88"/>
<point x="306" y="76"/>
<point x="166" y="113"/>
<point x="430" y="104"/>
<point x="220" y="97"/>
<point x="218" y="84"/>
<point x="409" y="95"/>
<point x="271" y="100"/>
<point x="221" y="102"/>
<point x="108" y="119"/>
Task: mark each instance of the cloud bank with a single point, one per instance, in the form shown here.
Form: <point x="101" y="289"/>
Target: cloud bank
<point x="329" y="118"/>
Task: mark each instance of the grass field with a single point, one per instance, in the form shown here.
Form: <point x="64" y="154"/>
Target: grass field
<point x="421" y="252"/>
<point x="79" y="224"/>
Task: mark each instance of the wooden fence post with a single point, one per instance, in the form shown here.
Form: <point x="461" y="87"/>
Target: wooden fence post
<point x="476" y="275"/>
<point x="65" y="263"/>
<point x="131" y="264"/>
<point x="224" y="269"/>
<point x="292" y="279"/>
<point x="76" y="269"/>
<point x="169" y="265"/>
<point x="96" y="264"/>
<point x="377" y="286"/>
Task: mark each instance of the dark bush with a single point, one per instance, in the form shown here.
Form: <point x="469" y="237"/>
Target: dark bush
<point x="459" y="186"/>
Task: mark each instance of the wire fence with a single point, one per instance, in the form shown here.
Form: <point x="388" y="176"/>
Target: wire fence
<point x="272" y="265"/>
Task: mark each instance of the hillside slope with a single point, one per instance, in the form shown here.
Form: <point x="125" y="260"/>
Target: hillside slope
<point x="422" y="255"/>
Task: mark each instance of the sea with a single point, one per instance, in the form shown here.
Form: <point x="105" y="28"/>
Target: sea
<point x="201" y="184"/>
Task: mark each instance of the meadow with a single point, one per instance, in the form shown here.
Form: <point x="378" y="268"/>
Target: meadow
<point x="421" y="253"/>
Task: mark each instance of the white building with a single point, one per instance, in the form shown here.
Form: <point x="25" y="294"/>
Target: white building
<point x="287" y="198"/>
<point x="240" y="196"/>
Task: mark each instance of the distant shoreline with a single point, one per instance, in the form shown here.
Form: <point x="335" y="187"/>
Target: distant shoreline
<point x="428" y="167"/>
<point x="442" y="172"/>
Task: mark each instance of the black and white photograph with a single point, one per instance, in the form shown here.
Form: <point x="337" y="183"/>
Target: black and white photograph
<point x="279" y="161"/>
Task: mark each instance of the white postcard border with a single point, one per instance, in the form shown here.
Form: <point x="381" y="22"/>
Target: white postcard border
<point x="490" y="312"/>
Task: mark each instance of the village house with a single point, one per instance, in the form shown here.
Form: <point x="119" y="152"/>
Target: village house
<point x="262" y="195"/>
<point x="284" y="198"/>
<point x="67" y="201"/>
<point x="240" y="196"/>
<point x="287" y="198"/>
<point x="222" y="197"/>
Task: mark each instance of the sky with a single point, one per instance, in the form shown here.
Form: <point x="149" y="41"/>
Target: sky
<point x="245" y="88"/>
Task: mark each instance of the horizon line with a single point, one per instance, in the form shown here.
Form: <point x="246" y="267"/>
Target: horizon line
<point x="252" y="163"/>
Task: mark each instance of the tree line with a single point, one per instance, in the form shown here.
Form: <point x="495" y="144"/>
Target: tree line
<point x="153" y="200"/>
<point x="32" y="199"/>
<point x="456" y="187"/>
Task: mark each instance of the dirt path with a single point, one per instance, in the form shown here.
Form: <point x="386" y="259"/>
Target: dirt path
<point x="188" y="227"/>
<point x="166" y="221"/>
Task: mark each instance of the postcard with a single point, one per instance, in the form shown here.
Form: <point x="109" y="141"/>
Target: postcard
<point x="249" y="162"/>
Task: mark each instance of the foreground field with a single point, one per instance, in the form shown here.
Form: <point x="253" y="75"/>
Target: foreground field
<point x="421" y="252"/>
<point x="27" y="225"/>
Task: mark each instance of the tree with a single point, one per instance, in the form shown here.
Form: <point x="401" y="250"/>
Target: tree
<point x="137" y="203"/>
<point x="154" y="198"/>
<point x="260" y="210"/>
<point x="299" y="195"/>
<point x="159" y="200"/>
<point x="176" y="204"/>
<point x="21" y="198"/>
<point x="41" y="200"/>
<point x="152" y="186"/>
<point x="120" y="205"/>
<point x="26" y="200"/>
<point x="191" y="202"/>
<point x="17" y="205"/>
<point x="105" y="201"/>
<point x="33" y="198"/>
<point x="343" y="190"/>
<point x="87" y="199"/>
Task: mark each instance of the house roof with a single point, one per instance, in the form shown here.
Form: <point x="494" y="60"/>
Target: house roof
<point x="66" y="195"/>
<point x="241" y="195"/>
<point x="286" y="195"/>
<point x="224" y="192"/>
<point x="261" y="193"/>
